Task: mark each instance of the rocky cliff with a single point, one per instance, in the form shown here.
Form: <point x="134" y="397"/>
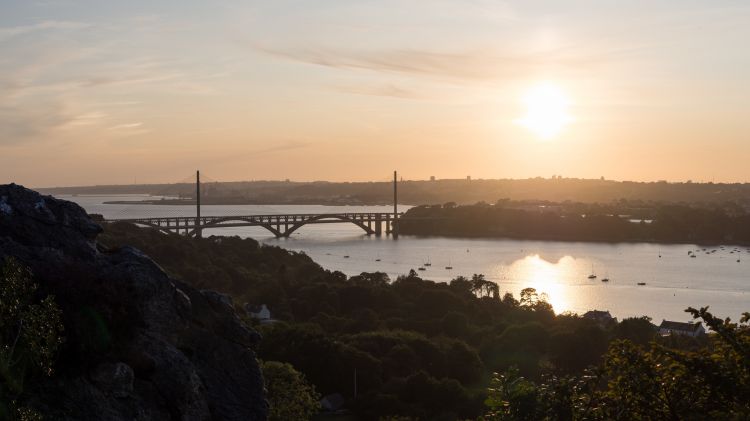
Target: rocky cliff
<point x="139" y="345"/>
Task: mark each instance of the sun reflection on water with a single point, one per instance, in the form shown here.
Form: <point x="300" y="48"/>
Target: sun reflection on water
<point x="546" y="277"/>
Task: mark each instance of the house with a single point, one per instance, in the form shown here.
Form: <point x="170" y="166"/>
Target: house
<point x="601" y="317"/>
<point x="679" y="328"/>
<point x="260" y="313"/>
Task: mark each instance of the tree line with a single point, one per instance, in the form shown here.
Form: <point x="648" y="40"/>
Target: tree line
<point x="617" y="222"/>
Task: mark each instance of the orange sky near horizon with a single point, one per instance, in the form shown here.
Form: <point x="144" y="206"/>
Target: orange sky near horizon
<point x="94" y="93"/>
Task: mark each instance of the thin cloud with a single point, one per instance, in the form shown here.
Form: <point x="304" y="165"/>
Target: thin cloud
<point x="472" y="65"/>
<point x="13" y="31"/>
<point x="18" y="125"/>
<point x="285" y="146"/>
<point x="387" y="90"/>
<point x="127" y="126"/>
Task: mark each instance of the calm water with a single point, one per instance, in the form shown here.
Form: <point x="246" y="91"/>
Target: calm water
<point x="558" y="269"/>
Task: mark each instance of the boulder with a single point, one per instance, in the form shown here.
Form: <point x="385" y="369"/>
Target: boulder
<point x="139" y="344"/>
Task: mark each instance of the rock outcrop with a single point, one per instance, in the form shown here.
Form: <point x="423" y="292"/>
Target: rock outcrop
<point x="139" y="345"/>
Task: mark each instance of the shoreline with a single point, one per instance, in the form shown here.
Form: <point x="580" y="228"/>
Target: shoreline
<point x="566" y="240"/>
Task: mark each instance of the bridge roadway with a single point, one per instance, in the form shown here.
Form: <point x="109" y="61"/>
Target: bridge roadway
<point x="280" y="225"/>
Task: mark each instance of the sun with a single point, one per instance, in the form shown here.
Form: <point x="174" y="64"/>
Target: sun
<point x="546" y="110"/>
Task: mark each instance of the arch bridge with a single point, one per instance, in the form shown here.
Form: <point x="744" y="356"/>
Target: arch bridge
<point x="279" y="225"/>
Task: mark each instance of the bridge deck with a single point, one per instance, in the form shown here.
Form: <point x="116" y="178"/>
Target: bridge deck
<point x="370" y="222"/>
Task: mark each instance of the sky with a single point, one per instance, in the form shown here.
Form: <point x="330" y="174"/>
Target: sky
<point x="95" y="92"/>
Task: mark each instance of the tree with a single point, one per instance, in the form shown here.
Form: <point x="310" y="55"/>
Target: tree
<point x="638" y="330"/>
<point x="479" y="285"/>
<point x="532" y="300"/>
<point x="529" y="297"/>
<point x="655" y="383"/>
<point x="30" y="336"/>
<point x="290" y="396"/>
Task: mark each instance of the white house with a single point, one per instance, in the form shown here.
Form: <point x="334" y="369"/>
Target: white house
<point x="678" y="328"/>
<point x="262" y="313"/>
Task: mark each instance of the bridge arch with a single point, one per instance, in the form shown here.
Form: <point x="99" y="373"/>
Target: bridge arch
<point x="344" y="218"/>
<point x="216" y="223"/>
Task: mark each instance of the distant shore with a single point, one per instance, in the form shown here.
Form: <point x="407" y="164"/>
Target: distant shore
<point x="247" y="201"/>
<point x="669" y="224"/>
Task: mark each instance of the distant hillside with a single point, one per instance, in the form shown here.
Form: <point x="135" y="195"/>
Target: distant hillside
<point x="437" y="192"/>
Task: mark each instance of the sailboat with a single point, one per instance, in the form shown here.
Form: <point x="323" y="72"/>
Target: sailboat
<point x="428" y="263"/>
<point x="592" y="276"/>
<point x="449" y="267"/>
<point x="606" y="278"/>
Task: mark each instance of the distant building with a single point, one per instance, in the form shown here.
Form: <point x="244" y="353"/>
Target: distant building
<point x="601" y="317"/>
<point x="468" y="178"/>
<point x="432" y="178"/>
<point x="260" y="313"/>
<point x="679" y="328"/>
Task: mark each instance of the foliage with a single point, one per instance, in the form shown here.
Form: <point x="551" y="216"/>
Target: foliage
<point x="641" y="383"/>
<point x="30" y="336"/>
<point x="422" y="349"/>
<point x="289" y="395"/>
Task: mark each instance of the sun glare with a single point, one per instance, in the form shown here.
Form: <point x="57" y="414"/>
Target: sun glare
<point x="546" y="110"/>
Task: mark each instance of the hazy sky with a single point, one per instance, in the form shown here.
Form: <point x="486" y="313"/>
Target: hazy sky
<point x="110" y="91"/>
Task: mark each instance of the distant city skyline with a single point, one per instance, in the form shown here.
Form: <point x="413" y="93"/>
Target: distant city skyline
<point x="108" y="92"/>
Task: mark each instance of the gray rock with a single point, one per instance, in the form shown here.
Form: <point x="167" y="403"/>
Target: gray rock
<point x="178" y="353"/>
<point x="114" y="378"/>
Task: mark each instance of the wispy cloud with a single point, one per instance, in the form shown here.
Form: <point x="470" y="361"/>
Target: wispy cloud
<point x="20" y="124"/>
<point x="385" y="90"/>
<point x="282" y="146"/>
<point x="469" y="65"/>
<point x="13" y="31"/>
<point x="127" y="126"/>
<point x="86" y="119"/>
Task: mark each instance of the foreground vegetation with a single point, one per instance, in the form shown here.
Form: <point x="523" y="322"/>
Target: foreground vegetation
<point x="407" y="348"/>
<point x="429" y="350"/>
<point x="31" y="333"/>
<point x="656" y="382"/>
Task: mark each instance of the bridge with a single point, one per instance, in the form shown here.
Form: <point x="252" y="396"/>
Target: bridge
<point x="282" y="225"/>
